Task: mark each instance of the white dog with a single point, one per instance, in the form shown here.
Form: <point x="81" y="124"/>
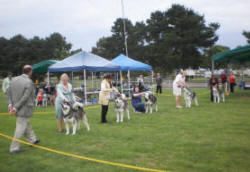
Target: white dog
<point x="151" y="101"/>
<point x="74" y="113"/>
<point x="190" y="96"/>
<point x="121" y="105"/>
<point x="45" y="100"/>
<point x="218" y="94"/>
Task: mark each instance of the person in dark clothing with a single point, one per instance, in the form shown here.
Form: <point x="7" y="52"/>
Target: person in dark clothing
<point x="140" y="82"/>
<point x="136" y="101"/>
<point x="213" y="82"/>
<point x="158" y="83"/>
<point x="223" y="78"/>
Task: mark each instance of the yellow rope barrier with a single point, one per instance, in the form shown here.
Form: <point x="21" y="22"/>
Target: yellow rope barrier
<point x="83" y="157"/>
<point x="46" y="112"/>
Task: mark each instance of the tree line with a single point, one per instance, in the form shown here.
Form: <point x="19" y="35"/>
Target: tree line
<point x="176" y="38"/>
<point x="18" y="51"/>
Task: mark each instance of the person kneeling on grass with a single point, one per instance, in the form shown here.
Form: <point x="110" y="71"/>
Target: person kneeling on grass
<point x="137" y="104"/>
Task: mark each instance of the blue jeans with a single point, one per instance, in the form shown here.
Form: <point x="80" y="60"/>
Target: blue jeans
<point x="140" y="107"/>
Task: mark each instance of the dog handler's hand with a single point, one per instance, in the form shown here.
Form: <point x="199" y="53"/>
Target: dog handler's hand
<point x="12" y="110"/>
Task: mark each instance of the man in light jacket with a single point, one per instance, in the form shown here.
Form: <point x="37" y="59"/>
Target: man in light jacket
<point x="21" y="98"/>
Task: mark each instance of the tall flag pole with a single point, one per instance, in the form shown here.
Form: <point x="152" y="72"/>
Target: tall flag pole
<point x="124" y="28"/>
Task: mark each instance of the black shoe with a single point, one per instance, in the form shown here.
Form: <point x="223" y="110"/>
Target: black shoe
<point x="36" y="142"/>
<point x="17" y="151"/>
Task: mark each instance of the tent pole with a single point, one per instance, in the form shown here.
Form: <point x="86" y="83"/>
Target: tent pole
<point x="72" y="77"/>
<point x="152" y="79"/>
<point x="48" y="79"/>
<point x="128" y="83"/>
<point x="85" y="87"/>
<point x="92" y="79"/>
<point x="117" y="78"/>
<point x="212" y="67"/>
<point x="228" y="74"/>
<point x="121" y="81"/>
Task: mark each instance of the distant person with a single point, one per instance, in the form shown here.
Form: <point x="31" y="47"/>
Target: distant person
<point x="178" y="83"/>
<point x="6" y="83"/>
<point x="50" y="93"/>
<point x="158" y="83"/>
<point x="223" y="78"/>
<point x="21" y="102"/>
<point x="213" y="82"/>
<point x="39" y="97"/>
<point x="140" y="82"/>
<point x="104" y="96"/>
<point x="65" y="93"/>
<point x="136" y="101"/>
<point x="232" y="82"/>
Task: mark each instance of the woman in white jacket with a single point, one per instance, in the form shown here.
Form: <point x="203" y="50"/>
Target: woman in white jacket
<point x="104" y="96"/>
<point x="178" y="84"/>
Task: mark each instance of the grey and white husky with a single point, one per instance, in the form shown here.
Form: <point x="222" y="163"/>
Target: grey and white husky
<point x="190" y="96"/>
<point x="150" y="101"/>
<point x="74" y="113"/>
<point x="121" y="105"/>
<point x="218" y="95"/>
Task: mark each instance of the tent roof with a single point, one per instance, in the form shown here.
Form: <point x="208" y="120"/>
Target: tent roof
<point x="42" y="67"/>
<point x="238" y="55"/>
<point x="127" y="63"/>
<point x="84" y="60"/>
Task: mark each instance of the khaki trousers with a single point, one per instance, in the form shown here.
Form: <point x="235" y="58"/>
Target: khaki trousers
<point x="23" y="128"/>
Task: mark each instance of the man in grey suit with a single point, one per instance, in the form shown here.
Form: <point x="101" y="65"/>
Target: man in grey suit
<point x="21" y="97"/>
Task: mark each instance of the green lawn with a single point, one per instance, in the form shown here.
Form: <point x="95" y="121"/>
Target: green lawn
<point x="210" y="137"/>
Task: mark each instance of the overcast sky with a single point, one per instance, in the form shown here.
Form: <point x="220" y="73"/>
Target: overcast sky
<point x="83" y="22"/>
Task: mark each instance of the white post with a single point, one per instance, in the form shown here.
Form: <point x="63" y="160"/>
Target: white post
<point x="121" y="81"/>
<point x="128" y="83"/>
<point x="85" y="87"/>
<point x="92" y="80"/>
<point x="152" y="73"/>
<point x="48" y="78"/>
<point x="212" y="67"/>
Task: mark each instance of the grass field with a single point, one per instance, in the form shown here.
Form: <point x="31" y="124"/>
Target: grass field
<point x="207" y="138"/>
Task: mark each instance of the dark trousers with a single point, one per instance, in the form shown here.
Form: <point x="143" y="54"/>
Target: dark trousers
<point x="158" y="89"/>
<point x="211" y="95"/>
<point x="104" y="113"/>
<point x="140" y="107"/>
<point x="232" y="87"/>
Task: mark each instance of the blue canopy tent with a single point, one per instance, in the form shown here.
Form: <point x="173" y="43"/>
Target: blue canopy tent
<point x="127" y="64"/>
<point x="84" y="61"/>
